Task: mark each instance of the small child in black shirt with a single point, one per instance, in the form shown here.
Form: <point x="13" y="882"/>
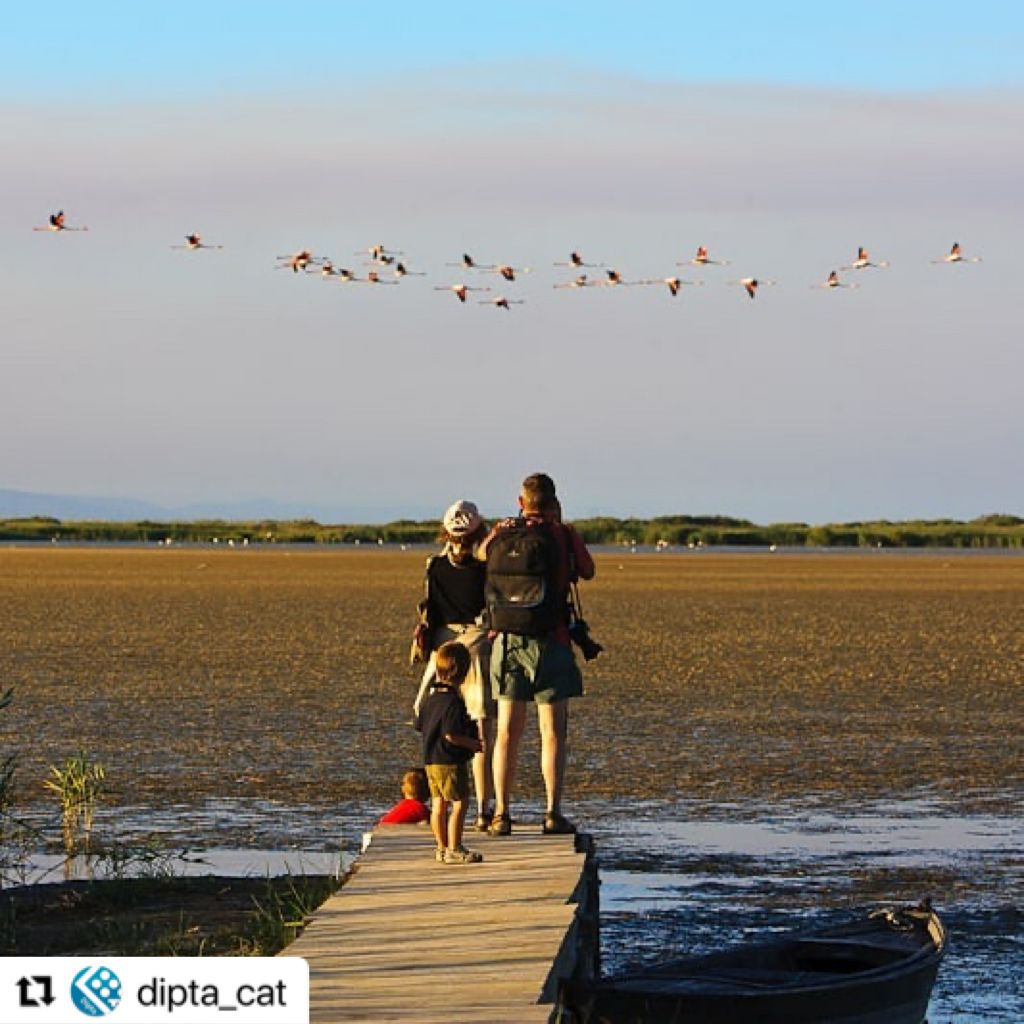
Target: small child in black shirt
<point x="450" y="739"/>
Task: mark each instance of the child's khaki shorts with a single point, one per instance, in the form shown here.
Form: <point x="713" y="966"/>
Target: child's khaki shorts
<point x="448" y="781"/>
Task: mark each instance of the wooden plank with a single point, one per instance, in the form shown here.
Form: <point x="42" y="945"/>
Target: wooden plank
<point x="409" y="939"/>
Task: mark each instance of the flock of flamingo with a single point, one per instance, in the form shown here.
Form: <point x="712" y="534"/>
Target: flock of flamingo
<point x="387" y="260"/>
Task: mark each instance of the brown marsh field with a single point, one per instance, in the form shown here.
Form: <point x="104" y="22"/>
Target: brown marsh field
<point x="281" y="675"/>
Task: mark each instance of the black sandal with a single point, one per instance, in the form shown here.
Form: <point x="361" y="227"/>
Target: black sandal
<point x="557" y="825"/>
<point x="501" y="825"/>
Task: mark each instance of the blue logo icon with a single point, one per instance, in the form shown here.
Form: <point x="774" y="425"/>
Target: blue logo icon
<point x="96" y="991"/>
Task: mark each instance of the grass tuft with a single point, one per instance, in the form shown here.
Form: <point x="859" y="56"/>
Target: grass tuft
<point x="78" y="785"/>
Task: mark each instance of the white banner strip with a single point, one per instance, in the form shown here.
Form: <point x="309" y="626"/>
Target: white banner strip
<point x="139" y="990"/>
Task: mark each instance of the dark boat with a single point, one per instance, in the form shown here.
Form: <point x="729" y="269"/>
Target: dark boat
<point x="879" y="969"/>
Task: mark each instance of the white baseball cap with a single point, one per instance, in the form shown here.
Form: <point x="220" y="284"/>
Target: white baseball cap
<point x="461" y="519"/>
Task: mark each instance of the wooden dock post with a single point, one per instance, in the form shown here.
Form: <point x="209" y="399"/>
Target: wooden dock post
<point x="408" y="939"/>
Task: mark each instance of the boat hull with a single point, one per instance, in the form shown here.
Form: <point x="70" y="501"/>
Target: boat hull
<point x="879" y="971"/>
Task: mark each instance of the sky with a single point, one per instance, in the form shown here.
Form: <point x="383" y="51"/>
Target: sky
<point x="780" y="136"/>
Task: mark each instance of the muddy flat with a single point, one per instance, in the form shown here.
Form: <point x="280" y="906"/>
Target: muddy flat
<point x="281" y="675"/>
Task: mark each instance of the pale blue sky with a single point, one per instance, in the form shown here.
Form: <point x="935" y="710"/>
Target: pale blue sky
<point x="197" y="48"/>
<point x="780" y="136"/>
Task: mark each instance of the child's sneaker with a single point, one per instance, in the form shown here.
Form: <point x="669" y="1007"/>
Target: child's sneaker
<point x="439" y="855"/>
<point x="460" y="855"/>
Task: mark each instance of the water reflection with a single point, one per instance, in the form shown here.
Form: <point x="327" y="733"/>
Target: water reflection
<point x="231" y="863"/>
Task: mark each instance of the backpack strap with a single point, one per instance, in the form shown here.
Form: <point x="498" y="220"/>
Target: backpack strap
<point x="423" y="607"/>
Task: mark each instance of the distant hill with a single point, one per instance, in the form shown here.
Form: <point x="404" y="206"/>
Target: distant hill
<point x="19" y="504"/>
<point x="72" y="507"/>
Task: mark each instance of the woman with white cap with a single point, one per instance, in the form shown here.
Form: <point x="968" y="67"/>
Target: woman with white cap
<point x="452" y="609"/>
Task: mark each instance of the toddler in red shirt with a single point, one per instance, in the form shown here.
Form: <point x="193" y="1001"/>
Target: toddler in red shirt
<point x="412" y="808"/>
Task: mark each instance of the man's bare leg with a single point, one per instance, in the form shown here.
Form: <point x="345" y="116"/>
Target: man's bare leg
<point x="511" y="718"/>
<point x="553" y="720"/>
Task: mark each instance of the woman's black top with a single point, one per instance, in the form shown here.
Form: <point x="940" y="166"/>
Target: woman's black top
<point x="455" y="593"/>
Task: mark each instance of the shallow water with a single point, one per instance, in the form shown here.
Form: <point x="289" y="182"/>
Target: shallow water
<point x="680" y="879"/>
<point x="231" y="863"/>
<point x="699" y="885"/>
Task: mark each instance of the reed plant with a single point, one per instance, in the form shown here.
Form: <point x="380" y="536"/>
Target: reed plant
<point x="283" y="912"/>
<point x="15" y="835"/>
<point x="148" y="859"/>
<point x="78" y="785"/>
<point x="6" y="773"/>
<point x="6" y="799"/>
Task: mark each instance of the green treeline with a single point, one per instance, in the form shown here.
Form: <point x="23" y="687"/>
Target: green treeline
<point x="992" y="531"/>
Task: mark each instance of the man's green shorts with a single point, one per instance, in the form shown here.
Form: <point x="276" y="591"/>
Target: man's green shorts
<point x="533" y="668"/>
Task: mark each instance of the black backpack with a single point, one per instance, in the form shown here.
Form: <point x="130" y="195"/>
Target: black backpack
<point x="520" y="591"/>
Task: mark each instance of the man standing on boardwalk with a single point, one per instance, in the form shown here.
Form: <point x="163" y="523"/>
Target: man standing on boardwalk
<point x="532" y="561"/>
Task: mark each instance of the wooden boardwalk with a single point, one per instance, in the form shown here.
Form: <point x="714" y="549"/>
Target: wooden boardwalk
<point x="408" y="939"/>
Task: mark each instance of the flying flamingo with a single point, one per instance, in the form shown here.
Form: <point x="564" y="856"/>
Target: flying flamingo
<point x="341" y="273"/>
<point x="702" y="259"/>
<point x="579" y="282"/>
<point x="863" y="261"/>
<point x="832" y="281"/>
<point x="576" y="260"/>
<point x="955" y="255"/>
<point x="374" y="278"/>
<point x="346" y="276"/>
<point x="751" y="284"/>
<point x="57" y="224"/>
<point x="401" y="270"/>
<point x="501" y="302"/>
<point x="471" y="264"/>
<point x="674" y="283"/>
<point x="298" y="261"/>
<point x="612" y="279"/>
<point x="377" y="253"/>
<point x="461" y="290"/>
<point x="193" y="242"/>
<point x="507" y="272"/>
